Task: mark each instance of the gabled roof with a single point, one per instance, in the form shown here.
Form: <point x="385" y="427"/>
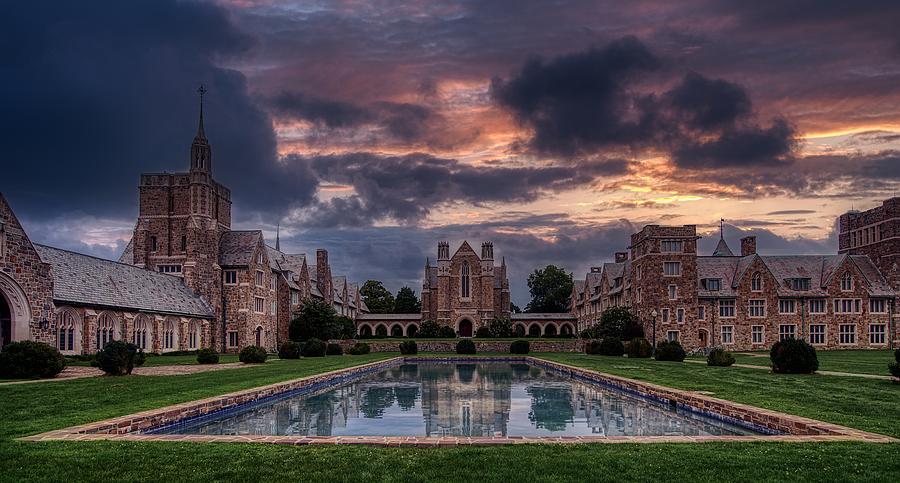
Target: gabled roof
<point x="717" y="267"/>
<point x="236" y="247"/>
<point x="722" y="249"/>
<point x="127" y="255"/>
<point x="84" y="280"/>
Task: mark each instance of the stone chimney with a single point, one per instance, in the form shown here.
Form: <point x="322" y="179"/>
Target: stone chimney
<point x="323" y="275"/>
<point x="748" y="246"/>
<point x="621" y="257"/>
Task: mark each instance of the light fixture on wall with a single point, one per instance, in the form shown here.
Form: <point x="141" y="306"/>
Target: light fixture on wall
<point x="44" y="324"/>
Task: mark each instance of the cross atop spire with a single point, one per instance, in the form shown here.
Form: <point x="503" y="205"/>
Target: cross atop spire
<point x="721" y="228"/>
<point x="201" y="134"/>
<point x="722" y="249"/>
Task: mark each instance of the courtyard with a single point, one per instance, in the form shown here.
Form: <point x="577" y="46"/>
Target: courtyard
<point x="860" y="403"/>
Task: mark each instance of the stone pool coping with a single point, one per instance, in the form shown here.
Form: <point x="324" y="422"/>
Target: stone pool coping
<point x="131" y="427"/>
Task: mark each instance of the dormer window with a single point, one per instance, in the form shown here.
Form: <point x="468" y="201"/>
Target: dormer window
<point x="847" y="283"/>
<point x="800" y="284"/>
<point x="756" y="282"/>
<point x="713" y="284"/>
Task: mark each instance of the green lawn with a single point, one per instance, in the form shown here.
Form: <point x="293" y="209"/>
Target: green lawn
<point x="869" y="404"/>
<point x="858" y="361"/>
<point x="33" y="408"/>
<point x="164" y="360"/>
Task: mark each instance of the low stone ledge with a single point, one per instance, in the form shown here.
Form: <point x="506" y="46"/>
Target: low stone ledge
<point x="449" y="345"/>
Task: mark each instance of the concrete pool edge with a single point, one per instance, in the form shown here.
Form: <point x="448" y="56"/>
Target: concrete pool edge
<point x="131" y="427"/>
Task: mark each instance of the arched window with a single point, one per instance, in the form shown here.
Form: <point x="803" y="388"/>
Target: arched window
<point x="194" y="335"/>
<point x="143" y="334"/>
<point x="170" y="335"/>
<point x="107" y="329"/>
<point x="464" y="280"/>
<point x="756" y="282"/>
<point x="259" y="334"/>
<point x="847" y="282"/>
<point x="66" y="331"/>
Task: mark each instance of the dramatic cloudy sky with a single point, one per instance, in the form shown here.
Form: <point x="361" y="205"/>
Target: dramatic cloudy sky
<point x="376" y="129"/>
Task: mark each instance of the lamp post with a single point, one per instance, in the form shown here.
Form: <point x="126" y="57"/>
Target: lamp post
<point x="653" y="347"/>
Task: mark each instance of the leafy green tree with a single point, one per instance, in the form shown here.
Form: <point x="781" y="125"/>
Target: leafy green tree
<point x="550" y="289"/>
<point x="317" y="319"/>
<point x="514" y="308"/>
<point x="500" y="327"/>
<point x="347" y="326"/>
<point x="377" y="298"/>
<point x="407" y="302"/>
<point x="429" y="329"/>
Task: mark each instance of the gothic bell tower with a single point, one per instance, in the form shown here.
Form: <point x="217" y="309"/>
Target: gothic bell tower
<point x="201" y="152"/>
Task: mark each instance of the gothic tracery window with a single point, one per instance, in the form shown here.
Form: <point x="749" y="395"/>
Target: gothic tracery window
<point x="464" y="280"/>
<point x="142" y="335"/>
<point x="65" y="331"/>
<point x="107" y="329"/>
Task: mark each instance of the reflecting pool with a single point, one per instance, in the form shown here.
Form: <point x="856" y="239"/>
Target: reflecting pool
<point x="462" y="399"/>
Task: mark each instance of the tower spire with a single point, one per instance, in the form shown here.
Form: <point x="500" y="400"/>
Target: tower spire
<point x="721" y="228"/>
<point x="201" y="134"/>
<point x="278" y="237"/>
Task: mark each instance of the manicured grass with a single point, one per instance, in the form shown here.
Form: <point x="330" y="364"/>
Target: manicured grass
<point x="33" y="408"/>
<point x="869" y="404"/>
<point x="164" y="360"/>
<point x="857" y="361"/>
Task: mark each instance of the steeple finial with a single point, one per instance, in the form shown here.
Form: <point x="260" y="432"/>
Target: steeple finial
<point x="278" y="237"/>
<point x="721" y="228"/>
<point x="201" y="134"/>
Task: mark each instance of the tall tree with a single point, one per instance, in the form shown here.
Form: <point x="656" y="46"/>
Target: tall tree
<point x="550" y="289"/>
<point x="514" y="308"/>
<point x="407" y="302"/>
<point x="377" y="298"/>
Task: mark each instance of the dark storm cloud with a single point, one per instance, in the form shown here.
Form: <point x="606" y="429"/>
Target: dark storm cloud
<point x="406" y="188"/>
<point x="95" y="94"/>
<point x="587" y="101"/>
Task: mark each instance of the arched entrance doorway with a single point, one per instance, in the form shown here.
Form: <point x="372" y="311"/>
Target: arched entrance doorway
<point x="465" y="328"/>
<point x="15" y="313"/>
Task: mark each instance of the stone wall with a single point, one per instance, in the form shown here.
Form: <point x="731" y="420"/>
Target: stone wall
<point x="537" y="345"/>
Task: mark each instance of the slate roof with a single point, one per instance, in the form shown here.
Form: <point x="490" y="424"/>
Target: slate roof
<point x="722" y="249"/>
<point x="84" y="280"/>
<point x="236" y="247"/>
<point x="717" y="267"/>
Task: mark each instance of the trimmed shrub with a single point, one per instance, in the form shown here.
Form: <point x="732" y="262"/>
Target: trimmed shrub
<point x="27" y="359"/>
<point x="793" y="356"/>
<point x="118" y="358"/>
<point x="359" y="349"/>
<point x="639" y="348"/>
<point x="253" y="354"/>
<point x="314" y="348"/>
<point x="465" y="346"/>
<point x="894" y="367"/>
<point x="592" y="347"/>
<point x="289" y="350"/>
<point x="409" y="347"/>
<point x="519" y="347"/>
<point x="670" y="350"/>
<point x="334" y="349"/>
<point x="447" y="332"/>
<point x="500" y="327"/>
<point x="483" y="332"/>
<point x="611" y="346"/>
<point x="719" y="357"/>
<point x="207" y="356"/>
<point x="429" y="329"/>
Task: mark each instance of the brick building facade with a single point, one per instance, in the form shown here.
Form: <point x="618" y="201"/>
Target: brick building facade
<point x="750" y="301"/>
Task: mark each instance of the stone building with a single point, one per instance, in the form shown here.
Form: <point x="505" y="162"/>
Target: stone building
<point x="749" y="301"/>
<point x="465" y="291"/>
<point x="876" y="234"/>
<point x="186" y="280"/>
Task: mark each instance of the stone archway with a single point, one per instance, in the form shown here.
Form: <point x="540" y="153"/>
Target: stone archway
<point x="365" y="331"/>
<point x="411" y="330"/>
<point x="397" y="330"/>
<point x="534" y="330"/>
<point x="519" y="330"/>
<point x="15" y="312"/>
<point x="464" y="327"/>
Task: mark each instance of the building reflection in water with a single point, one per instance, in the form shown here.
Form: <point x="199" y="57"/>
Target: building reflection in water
<point x="484" y="399"/>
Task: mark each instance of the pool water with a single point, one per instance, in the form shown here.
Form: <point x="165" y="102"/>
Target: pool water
<point x="461" y="399"/>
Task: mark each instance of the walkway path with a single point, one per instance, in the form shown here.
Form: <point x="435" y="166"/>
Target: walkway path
<point x="77" y="372"/>
<point x="824" y="373"/>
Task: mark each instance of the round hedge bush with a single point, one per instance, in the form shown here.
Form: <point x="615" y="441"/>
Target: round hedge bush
<point x="793" y="356"/>
<point x="519" y="347"/>
<point x="611" y="346"/>
<point x="483" y="332"/>
<point x="118" y="358"/>
<point x="719" y="357"/>
<point x="670" y="350"/>
<point x="314" y="348"/>
<point x="446" y="332"/>
<point x="207" y="356"/>
<point x="592" y="347"/>
<point x="409" y="347"/>
<point x="639" y="348"/>
<point x="465" y="346"/>
<point x="253" y="354"/>
<point x="894" y="367"/>
<point x="359" y="349"/>
<point x="29" y="359"/>
<point x="334" y="349"/>
<point x="289" y="350"/>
